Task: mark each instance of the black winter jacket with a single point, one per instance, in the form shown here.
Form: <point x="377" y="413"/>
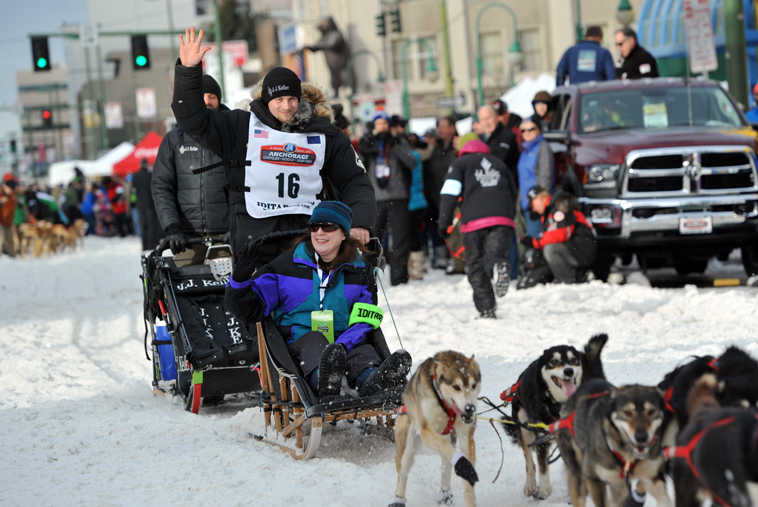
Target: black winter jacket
<point x="504" y="146"/>
<point x="197" y="204"/>
<point x="226" y="134"/>
<point x="640" y="63"/>
<point x="484" y="183"/>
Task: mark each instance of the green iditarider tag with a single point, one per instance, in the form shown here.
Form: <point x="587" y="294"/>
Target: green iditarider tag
<point x="323" y="322"/>
<point x="366" y="312"/>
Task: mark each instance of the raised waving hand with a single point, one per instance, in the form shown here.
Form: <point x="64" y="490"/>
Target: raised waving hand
<point x="190" y="52"/>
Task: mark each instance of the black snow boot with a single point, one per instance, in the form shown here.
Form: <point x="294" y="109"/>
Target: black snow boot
<point x="331" y="368"/>
<point x="390" y="374"/>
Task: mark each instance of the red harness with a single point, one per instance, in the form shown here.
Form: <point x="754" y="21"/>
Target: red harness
<point x="510" y="394"/>
<point x="451" y="414"/>
<point x="685" y="452"/>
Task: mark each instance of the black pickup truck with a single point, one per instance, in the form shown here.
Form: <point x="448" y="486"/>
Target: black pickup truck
<point x="665" y="170"/>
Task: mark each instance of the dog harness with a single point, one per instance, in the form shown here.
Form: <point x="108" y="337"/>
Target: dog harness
<point x="449" y="411"/>
<point x="511" y="393"/>
<point x="685" y="452"/>
<point x="712" y="364"/>
<point x="568" y="421"/>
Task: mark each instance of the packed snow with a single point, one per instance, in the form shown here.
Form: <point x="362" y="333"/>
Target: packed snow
<point x="80" y="425"/>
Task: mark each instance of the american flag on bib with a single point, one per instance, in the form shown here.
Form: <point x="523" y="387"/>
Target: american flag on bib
<point x="260" y="134"/>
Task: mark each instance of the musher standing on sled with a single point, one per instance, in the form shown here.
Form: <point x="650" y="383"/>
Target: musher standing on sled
<point x="281" y="157"/>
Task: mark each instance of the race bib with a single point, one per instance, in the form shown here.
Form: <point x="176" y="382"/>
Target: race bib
<point x="284" y="176"/>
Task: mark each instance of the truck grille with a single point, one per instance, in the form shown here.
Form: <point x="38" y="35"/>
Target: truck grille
<point x="689" y="170"/>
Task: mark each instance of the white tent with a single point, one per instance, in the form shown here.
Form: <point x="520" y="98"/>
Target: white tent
<point x="63" y="172"/>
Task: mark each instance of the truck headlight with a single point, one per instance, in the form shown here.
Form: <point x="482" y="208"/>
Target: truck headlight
<point x="605" y="216"/>
<point x="602" y="173"/>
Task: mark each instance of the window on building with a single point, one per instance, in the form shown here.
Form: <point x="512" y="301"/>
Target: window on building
<point x="492" y="54"/>
<point x="531" y="46"/>
<point x="427" y="51"/>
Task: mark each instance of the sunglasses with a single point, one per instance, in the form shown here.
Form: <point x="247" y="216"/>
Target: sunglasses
<point x="530" y="129"/>
<point x="324" y="226"/>
<point x="619" y="44"/>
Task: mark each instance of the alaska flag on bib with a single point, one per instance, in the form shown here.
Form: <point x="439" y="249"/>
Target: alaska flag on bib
<point x="314" y="139"/>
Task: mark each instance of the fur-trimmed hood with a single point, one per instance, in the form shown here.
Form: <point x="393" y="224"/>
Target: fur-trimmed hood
<point x="313" y="106"/>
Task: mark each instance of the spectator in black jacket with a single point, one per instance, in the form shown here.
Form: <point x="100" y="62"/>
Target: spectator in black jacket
<point x="435" y="169"/>
<point x="148" y="218"/>
<point x="390" y="160"/>
<point x="498" y="137"/>
<point x="281" y="157"/>
<point x="487" y="212"/>
<point x="190" y="204"/>
<point x="637" y="61"/>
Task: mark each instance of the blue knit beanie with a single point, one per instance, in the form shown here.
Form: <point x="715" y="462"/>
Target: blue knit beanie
<point x="336" y="212"/>
<point x="381" y="114"/>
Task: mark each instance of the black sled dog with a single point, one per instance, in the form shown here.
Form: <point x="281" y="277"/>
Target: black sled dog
<point x="542" y="388"/>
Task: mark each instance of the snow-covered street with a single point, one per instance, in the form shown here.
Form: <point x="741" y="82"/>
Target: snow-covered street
<point x="79" y="423"/>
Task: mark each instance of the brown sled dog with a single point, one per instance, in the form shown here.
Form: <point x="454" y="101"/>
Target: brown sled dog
<point x="440" y="407"/>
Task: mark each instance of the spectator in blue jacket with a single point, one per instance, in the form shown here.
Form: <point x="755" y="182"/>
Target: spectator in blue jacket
<point x="586" y="61"/>
<point x="320" y="299"/>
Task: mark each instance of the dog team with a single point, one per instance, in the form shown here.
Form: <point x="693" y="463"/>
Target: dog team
<point x="42" y="237"/>
<point x="698" y="427"/>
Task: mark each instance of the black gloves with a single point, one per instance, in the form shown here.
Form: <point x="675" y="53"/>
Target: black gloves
<point x="527" y="241"/>
<point x="177" y="242"/>
<point x="464" y="469"/>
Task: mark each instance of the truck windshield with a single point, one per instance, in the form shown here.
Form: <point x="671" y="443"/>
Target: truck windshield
<point x="654" y="108"/>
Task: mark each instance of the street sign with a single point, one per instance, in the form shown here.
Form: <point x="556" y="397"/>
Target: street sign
<point x="88" y="36"/>
<point x="236" y="48"/>
<point x="393" y="92"/>
<point x="114" y="119"/>
<point x="700" y="46"/>
<point x="288" y="39"/>
<point x="456" y="102"/>
<point x="146" y="107"/>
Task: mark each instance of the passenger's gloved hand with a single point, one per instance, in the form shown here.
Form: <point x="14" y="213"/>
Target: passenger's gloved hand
<point x="242" y="271"/>
<point x="527" y="241"/>
<point x="463" y="468"/>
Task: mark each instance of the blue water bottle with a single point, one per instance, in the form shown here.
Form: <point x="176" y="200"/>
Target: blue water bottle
<point x="165" y="351"/>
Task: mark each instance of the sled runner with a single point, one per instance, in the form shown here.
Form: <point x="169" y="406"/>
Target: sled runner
<point x="203" y="353"/>
<point x="295" y="413"/>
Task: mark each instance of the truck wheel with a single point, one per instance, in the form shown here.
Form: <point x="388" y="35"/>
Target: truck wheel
<point x="750" y="259"/>
<point x="685" y="266"/>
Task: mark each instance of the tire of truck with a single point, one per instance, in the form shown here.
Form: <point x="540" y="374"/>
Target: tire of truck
<point x="687" y="265"/>
<point x="750" y="258"/>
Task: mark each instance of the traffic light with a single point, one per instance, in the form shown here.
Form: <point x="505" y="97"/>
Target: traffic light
<point x="47" y="118"/>
<point x="140" y="52"/>
<point x="396" y="26"/>
<point x="14" y="147"/>
<point x="40" y="54"/>
<point x="381" y="25"/>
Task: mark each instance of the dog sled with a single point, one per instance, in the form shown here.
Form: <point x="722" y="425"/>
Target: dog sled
<point x="200" y="351"/>
<point x="294" y="413"/>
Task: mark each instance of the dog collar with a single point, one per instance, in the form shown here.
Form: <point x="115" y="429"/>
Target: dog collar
<point x="626" y="466"/>
<point x="509" y="394"/>
<point x="449" y="411"/>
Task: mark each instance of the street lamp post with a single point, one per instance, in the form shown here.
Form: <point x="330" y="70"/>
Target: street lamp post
<point x="431" y="67"/>
<point x="624" y="13"/>
<point x="514" y="53"/>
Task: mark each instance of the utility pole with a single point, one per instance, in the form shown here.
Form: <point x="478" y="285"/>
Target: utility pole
<point x="219" y="43"/>
<point x="736" y="58"/>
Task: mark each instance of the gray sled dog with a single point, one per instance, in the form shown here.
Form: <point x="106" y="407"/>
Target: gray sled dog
<point x="440" y="407"/>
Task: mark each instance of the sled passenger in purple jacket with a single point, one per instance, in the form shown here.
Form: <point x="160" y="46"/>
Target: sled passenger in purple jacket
<point x="319" y="296"/>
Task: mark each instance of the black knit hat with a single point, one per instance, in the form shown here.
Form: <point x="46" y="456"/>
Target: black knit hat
<point x="211" y="86"/>
<point x="280" y="82"/>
